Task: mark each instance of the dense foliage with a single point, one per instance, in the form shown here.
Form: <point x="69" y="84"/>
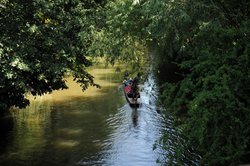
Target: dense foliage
<point x="213" y="96"/>
<point x="117" y="40"/>
<point x="40" y="42"/>
<point x="207" y="44"/>
<point x="203" y="44"/>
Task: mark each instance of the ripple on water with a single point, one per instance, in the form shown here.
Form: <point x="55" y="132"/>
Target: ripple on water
<point x="66" y="144"/>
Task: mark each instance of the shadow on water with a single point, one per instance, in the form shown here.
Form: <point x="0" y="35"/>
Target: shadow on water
<point x="6" y="124"/>
<point x="6" y="137"/>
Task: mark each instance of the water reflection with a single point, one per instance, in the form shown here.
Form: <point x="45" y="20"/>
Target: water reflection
<point x="95" y="128"/>
<point x="62" y="127"/>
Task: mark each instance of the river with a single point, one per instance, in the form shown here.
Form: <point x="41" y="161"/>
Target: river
<point x="96" y="127"/>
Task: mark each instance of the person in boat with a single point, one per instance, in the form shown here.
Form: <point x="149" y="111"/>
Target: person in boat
<point x="128" y="82"/>
<point x="126" y="75"/>
<point x="135" y="87"/>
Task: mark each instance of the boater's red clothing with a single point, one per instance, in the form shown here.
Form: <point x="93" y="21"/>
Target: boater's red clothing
<point x="127" y="88"/>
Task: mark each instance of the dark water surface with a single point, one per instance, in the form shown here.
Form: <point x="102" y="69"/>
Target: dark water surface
<point x="97" y="127"/>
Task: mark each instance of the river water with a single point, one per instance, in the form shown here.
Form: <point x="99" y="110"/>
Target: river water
<point x="96" y="127"/>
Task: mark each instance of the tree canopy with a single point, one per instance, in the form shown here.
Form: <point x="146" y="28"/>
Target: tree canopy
<point x="40" y="42"/>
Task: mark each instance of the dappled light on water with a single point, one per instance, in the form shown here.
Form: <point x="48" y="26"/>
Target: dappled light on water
<point x="66" y="143"/>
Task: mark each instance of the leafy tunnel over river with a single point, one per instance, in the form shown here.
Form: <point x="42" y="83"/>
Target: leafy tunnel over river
<point x="96" y="127"/>
<point x="199" y="51"/>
